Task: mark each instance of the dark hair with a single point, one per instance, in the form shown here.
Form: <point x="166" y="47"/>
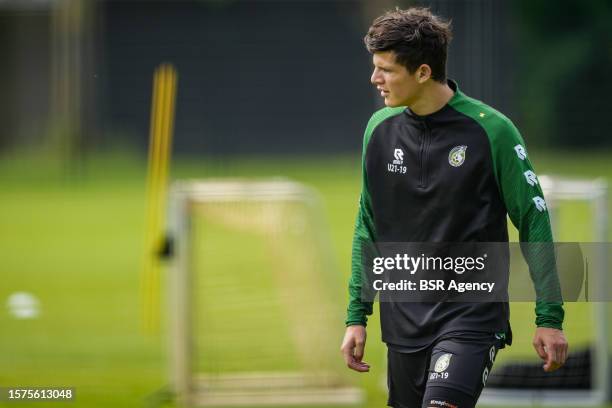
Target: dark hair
<point x="415" y="35"/>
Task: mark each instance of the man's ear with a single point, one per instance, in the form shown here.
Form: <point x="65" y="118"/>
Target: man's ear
<point x="423" y="73"/>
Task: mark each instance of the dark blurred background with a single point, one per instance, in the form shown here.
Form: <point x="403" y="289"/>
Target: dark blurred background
<point x="284" y="77"/>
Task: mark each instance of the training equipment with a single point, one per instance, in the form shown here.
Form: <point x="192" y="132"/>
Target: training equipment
<point x="574" y="205"/>
<point x="160" y="144"/>
<point x="254" y="316"/>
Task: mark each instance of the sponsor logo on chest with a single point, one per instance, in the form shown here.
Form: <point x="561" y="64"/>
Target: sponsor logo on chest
<point x="397" y="164"/>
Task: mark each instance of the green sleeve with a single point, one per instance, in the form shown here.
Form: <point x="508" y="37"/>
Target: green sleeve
<point x="364" y="233"/>
<point x="522" y="195"/>
<point x="524" y="200"/>
<point x="358" y="310"/>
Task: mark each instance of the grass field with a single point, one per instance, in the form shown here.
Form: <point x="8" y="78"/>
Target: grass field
<point x="76" y="244"/>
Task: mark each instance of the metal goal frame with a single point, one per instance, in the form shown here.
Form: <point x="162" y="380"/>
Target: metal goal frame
<point x="595" y="193"/>
<point x="242" y="389"/>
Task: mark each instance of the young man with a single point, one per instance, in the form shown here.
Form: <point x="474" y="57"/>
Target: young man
<point x="464" y="168"/>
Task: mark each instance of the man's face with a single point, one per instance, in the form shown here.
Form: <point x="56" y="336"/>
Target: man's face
<point x="395" y="83"/>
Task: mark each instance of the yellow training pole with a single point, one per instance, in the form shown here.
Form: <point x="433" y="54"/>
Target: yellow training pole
<point x="160" y="143"/>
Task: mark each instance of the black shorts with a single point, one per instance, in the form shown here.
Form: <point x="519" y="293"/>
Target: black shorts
<point x="451" y="373"/>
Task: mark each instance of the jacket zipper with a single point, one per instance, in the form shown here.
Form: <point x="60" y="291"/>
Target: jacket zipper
<point x="424" y="153"/>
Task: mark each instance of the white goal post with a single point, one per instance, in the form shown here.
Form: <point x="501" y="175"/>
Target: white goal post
<point x="594" y="193"/>
<point x="191" y="388"/>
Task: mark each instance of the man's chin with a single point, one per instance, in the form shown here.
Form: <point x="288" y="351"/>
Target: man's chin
<point x="390" y="103"/>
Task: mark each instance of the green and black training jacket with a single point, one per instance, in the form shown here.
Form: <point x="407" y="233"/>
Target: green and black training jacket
<point x="416" y="188"/>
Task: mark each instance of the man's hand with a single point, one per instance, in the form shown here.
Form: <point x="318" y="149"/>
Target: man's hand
<point x="551" y="346"/>
<point x="353" y="347"/>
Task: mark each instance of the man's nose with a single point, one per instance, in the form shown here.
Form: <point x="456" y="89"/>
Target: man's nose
<point x="375" y="78"/>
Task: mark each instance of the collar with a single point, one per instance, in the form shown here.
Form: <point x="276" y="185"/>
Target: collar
<point x="442" y="112"/>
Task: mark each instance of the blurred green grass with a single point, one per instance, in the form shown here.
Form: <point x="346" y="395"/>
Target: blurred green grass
<point x="76" y="243"/>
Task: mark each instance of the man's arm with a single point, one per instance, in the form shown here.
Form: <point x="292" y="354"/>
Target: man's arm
<point x="353" y="344"/>
<point x="358" y="309"/>
<point x="364" y="237"/>
<point x="524" y="200"/>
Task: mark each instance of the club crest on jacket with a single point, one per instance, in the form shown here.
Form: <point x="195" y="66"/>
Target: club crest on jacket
<point x="456" y="157"/>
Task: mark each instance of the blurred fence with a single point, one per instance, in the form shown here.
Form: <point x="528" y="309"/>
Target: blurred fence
<point x="283" y="77"/>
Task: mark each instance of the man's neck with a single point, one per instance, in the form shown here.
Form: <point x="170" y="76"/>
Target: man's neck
<point x="433" y="98"/>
